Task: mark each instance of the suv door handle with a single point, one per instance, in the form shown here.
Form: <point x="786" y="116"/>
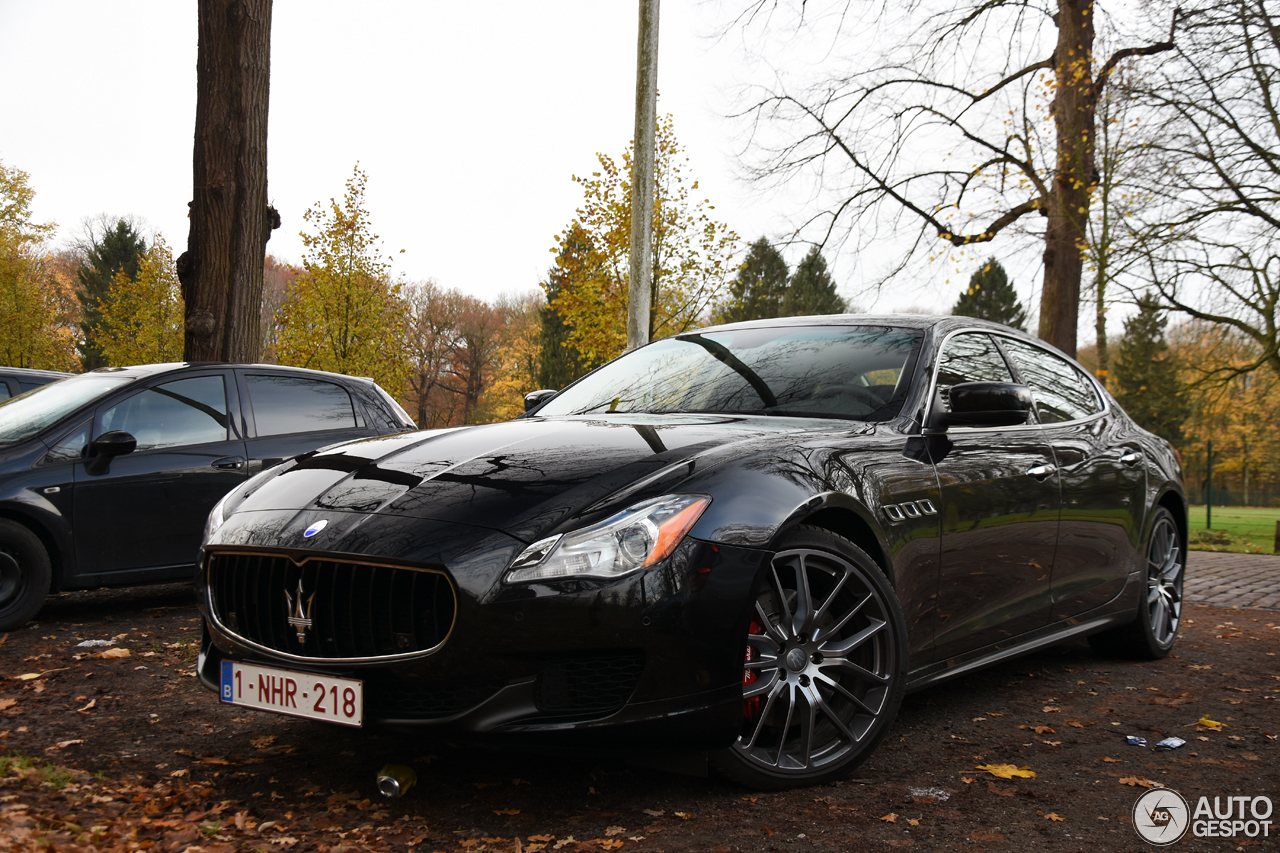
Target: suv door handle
<point x="229" y="463"/>
<point x="1041" y="472"/>
<point x="1131" y="458"/>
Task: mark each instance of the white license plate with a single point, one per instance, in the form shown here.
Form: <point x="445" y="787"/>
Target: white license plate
<point x="299" y="694"/>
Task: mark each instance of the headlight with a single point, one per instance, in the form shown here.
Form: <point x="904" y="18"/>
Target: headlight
<point x="217" y="515"/>
<point x="631" y="540"/>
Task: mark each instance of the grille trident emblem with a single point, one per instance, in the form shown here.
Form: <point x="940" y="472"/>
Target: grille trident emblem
<point x="298" y="618"/>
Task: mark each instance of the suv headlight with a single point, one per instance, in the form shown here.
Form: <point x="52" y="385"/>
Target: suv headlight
<point x="635" y="538"/>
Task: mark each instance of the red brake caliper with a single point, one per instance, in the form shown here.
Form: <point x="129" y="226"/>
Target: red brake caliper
<point x="750" y="707"/>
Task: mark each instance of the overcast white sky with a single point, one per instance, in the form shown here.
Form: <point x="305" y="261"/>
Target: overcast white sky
<point x="469" y="120"/>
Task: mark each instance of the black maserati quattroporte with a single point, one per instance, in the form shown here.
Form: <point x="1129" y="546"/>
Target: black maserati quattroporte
<point x="747" y="541"/>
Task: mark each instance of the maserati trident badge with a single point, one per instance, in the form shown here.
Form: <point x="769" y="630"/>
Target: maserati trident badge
<point x="299" y="618"/>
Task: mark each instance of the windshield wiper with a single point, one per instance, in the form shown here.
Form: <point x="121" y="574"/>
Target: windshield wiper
<point x="722" y="354"/>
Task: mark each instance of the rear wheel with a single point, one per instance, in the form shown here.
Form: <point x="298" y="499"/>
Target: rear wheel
<point x="1150" y="636"/>
<point x="24" y="575"/>
<point x="825" y="666"/>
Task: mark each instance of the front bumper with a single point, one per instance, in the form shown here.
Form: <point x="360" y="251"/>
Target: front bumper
<point x="653" y="657"/>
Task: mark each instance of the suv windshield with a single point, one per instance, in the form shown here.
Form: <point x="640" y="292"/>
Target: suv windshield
<point x="853" y="372"/>
<point x="31" y="413"/>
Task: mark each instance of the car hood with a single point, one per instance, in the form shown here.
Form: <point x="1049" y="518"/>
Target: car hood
<point x="527" y="478"/>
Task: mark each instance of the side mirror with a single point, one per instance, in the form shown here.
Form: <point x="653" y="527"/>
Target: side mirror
<point x="106" y="447"/>
<point x="534" y="399"/>
<point x="979" y="404"/>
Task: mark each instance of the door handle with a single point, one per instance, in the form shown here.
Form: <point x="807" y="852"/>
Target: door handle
<point x="1041" y="472"/>
<point x="1131" y="458"/>
<point x="229" y="463"/>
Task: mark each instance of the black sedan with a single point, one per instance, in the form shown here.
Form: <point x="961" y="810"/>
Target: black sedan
<point x="747" y="541"/>
<point x="107" y="478"/>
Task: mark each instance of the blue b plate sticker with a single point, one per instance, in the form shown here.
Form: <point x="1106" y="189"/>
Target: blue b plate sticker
<point x="225" y="692"/>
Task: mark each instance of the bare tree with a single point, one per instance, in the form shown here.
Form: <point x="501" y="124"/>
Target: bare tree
<point x="1219" y="181"/>
<point x="221" y="271"/>
<point x="961" y="120"/>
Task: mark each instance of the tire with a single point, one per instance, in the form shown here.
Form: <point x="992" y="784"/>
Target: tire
<point x="24" y="575"/>
<point x="1154" y="629"/>
<point x="826" y="666"/>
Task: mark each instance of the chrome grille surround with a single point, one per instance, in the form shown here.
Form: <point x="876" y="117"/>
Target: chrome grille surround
<point x="358" y="610"/>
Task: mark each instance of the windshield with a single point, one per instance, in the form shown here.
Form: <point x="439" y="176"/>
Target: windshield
<point x="31" y="413"/>
<point x="854" y="372"/>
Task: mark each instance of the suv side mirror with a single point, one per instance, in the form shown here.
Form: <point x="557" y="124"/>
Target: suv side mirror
<point x="978" y="404"/>
<point x="106" y="447"/>
<point x="534" y="399"/>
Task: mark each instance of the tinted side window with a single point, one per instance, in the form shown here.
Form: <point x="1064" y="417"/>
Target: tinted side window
<point x="184" y="412"/>
<point x="4" y="391"/>
<point x="969" y="357"/>
<point x="286" y="404"/>
<point x="1062" y="392"/>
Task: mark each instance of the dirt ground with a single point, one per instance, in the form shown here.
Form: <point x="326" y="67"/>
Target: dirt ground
<point x="125" y="753"/>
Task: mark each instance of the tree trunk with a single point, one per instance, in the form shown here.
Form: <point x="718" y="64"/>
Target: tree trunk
<point x="221" y="271"/>
<point x="1073" y="108"/>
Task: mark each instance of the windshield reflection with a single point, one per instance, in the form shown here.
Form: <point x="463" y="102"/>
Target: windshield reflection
<point x="852" y="372"/>
<point x="31" y="413"/>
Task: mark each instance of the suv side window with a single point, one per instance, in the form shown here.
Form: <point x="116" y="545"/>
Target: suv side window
<point x="175" y="414"/>
<point x="289" y="404"/>
<point x="969" y="357"/>
<point x="1062" y="392"/>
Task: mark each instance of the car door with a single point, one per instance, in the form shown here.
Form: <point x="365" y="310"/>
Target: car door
<point x="145" y="514"/>
<point x="288" y="414"/>
<point x="1103" y="481"/>
<point x="999" y="513"/>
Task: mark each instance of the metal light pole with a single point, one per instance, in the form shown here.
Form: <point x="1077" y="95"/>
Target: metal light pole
<point x="640" y="288"/>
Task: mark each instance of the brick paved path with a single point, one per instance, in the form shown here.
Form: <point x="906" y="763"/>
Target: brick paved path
<point x="1232" y="580"/>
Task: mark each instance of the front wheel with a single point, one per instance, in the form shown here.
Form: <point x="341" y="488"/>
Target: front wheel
<point x="24" y="575"/>
<point x="825" y="665"/>
<point x="1150" y="636"/>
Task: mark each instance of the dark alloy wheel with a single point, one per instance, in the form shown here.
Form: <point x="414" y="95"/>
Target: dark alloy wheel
<point x="1154" y="629"/>
<point x="24" y="575"/>
<point x="825" y="665"/>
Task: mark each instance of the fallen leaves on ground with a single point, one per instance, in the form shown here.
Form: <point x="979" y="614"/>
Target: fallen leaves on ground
<point x="1052" y="816"/>
<point x="1139" y="781"/>
<point x="890" y="817"/>
<point x="1213" y="725"/>
<point x="1003" y="792"/>
<point x="110" y="654"/>
<point x="1040" y="730"/>
<point x="1008" y="771"/>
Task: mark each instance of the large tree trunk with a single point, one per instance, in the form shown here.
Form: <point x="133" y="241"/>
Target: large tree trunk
<point x="1074" y="104"/>
<point x="221" y="272"/>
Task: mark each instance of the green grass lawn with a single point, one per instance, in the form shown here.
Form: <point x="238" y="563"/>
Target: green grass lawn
<point x="1235" y="528"/>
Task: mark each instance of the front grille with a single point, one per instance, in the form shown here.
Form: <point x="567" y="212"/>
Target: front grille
<point x="588" y="684"/>
<point x="356" y="610"/>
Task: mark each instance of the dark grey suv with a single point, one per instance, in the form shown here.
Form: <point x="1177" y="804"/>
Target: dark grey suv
<point x="107" y="478"/>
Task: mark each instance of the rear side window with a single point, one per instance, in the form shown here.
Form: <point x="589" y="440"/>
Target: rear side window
<point x="175" y="414"/>
<point x="1062" y="392"/>
<point x="289" y="404"/>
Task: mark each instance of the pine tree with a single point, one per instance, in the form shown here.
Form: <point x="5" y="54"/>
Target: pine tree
<point x="990" y="296"/>
<point x="118" y="250"/>
<point x="560" y="362"/>
<point x="758" y="289"/>
<point x="812" y="290"/>
<point x="1147" y="383"/>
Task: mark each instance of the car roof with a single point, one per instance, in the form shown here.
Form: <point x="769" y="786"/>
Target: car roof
<point x="32" y="373"/>
<point x="140" y="371"/>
